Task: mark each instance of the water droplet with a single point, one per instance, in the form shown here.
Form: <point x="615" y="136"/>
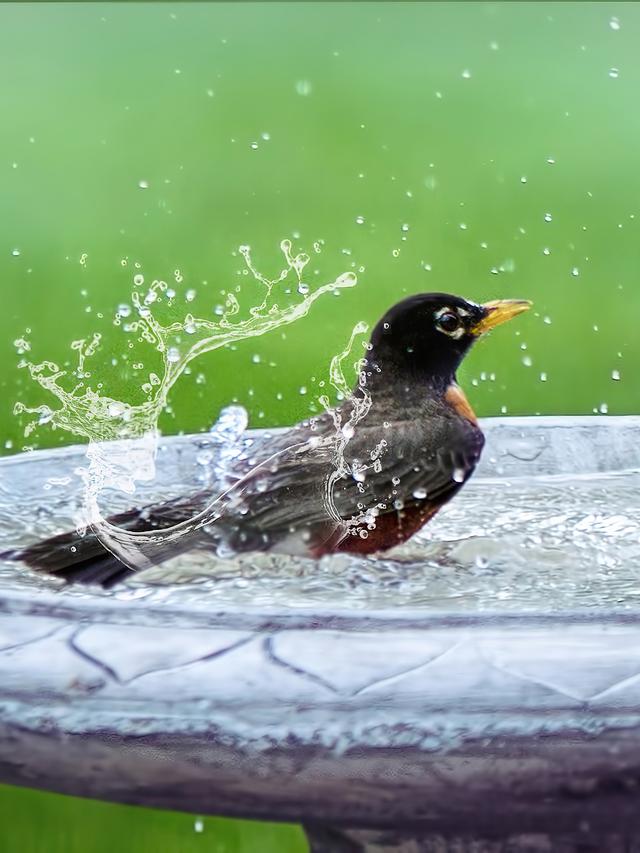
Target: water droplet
<point x="551" y="161"/>
<point x="466" y="74"/>
<point x="463" y="226"/>
<point x="116" y="409"/>
<point x="548" y="217"/>
<point x="359" y="474"/>
<point x="138" y="280"/>
<point x="348" y="431"/>
<point x="615" y="375"/>
<point x="458" y="475"/>
<point x="614" y="23"/>
<point x="15" y="253"/>
<point x="546" y="320"/>
<point x="254" y="145"/>
<point x="575" y="271"/>
<point x="527" y="361"/>
<point x="614" y="73"/>
<point x="303" y="288"/>
<point x="404" y="227"/>
<point x="256" y="358"/>
<point x="266" y="136"/>
<point x="523" y="179"/>
<point x="395" y="253"/>
<point x="303" y="87"/>
<point x="303" y="390"/>
<point x="420" y="494"/>
<point x="360" y="220"/>
<point x="198" y="824"/>
<point x="603" y="408"/>
<point x="546" y="251"/>
<point x="543" y="377"/>
<point x="190" y="295"/>
<point x="493" y="45"/>
<point x="143" y="185"/>
<point x="173" y="355"/>
<point x="204" y="457"/>
<point x="124" y="310"/>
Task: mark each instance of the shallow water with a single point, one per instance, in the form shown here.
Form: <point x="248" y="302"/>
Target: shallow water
<point x="547" y="543"/>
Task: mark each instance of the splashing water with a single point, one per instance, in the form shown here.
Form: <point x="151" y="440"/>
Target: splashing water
<point x="122" y="436"/>
<point x="87" y="413"/>
<point x="360" y="403"/>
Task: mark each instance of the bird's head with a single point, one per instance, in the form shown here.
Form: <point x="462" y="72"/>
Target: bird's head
<point x="429" y="334"/>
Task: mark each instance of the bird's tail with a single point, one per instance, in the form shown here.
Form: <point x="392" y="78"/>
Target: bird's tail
<point x="78" y="558"/>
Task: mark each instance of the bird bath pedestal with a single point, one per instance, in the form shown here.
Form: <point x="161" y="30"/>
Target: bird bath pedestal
<point x="404" y="729"/>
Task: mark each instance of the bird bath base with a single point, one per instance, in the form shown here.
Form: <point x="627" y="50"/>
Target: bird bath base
<point x="334" y="840"/>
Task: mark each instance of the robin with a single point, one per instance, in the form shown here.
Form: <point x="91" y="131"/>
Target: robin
<point x="360" y="478"/>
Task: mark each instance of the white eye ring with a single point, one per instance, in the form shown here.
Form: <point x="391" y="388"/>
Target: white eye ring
<point x="454" y="332"/>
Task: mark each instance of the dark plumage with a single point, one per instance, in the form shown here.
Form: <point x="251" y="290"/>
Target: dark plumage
<point x="412" y="450"/>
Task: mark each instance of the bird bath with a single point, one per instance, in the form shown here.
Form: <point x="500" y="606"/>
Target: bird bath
<point x="482" y="682"/>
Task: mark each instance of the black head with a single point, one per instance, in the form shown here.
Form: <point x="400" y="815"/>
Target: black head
<point x="426" y="336"/>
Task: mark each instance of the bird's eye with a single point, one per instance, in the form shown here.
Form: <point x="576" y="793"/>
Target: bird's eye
<point x="448" y="322"/>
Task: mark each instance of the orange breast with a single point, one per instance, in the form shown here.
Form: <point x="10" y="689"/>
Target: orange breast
<point x="455" y="397"/>
<point x="392" y="528"/>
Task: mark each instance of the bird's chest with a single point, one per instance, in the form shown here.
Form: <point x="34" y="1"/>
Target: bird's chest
<point x="390" y="529"/>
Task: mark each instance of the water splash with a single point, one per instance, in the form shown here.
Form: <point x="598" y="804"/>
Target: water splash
<point x="87" y="413"/>
<point x="123" y="436"/>
<point x="345" y="421"/>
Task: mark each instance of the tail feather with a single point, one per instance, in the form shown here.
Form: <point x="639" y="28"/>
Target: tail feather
<point x="105" y="569"/>
<point x="77" y="558"/>
<point x="83" y="558"/>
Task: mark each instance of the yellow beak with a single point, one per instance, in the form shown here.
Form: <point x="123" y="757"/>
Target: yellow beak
<point x="499" y="311"/>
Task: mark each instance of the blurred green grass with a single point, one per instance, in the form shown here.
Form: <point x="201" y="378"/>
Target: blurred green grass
<point x="467" y="122"/>
<point x="51" y="823"/>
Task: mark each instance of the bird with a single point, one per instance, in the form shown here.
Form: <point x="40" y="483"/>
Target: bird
<point x="360" y="478"/>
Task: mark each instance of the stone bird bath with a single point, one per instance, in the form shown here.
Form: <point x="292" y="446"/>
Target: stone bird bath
<point x="504" y="713"/>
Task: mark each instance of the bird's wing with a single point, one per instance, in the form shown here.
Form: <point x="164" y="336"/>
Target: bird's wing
<point x="306" y="480"/>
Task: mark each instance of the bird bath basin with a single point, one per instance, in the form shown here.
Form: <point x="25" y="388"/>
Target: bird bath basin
<point x="482" y="682"/>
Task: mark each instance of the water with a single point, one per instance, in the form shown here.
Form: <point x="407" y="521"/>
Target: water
<point x="524" y="543"/>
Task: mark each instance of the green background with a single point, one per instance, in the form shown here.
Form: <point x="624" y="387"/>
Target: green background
<point x="440" y="117"/>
